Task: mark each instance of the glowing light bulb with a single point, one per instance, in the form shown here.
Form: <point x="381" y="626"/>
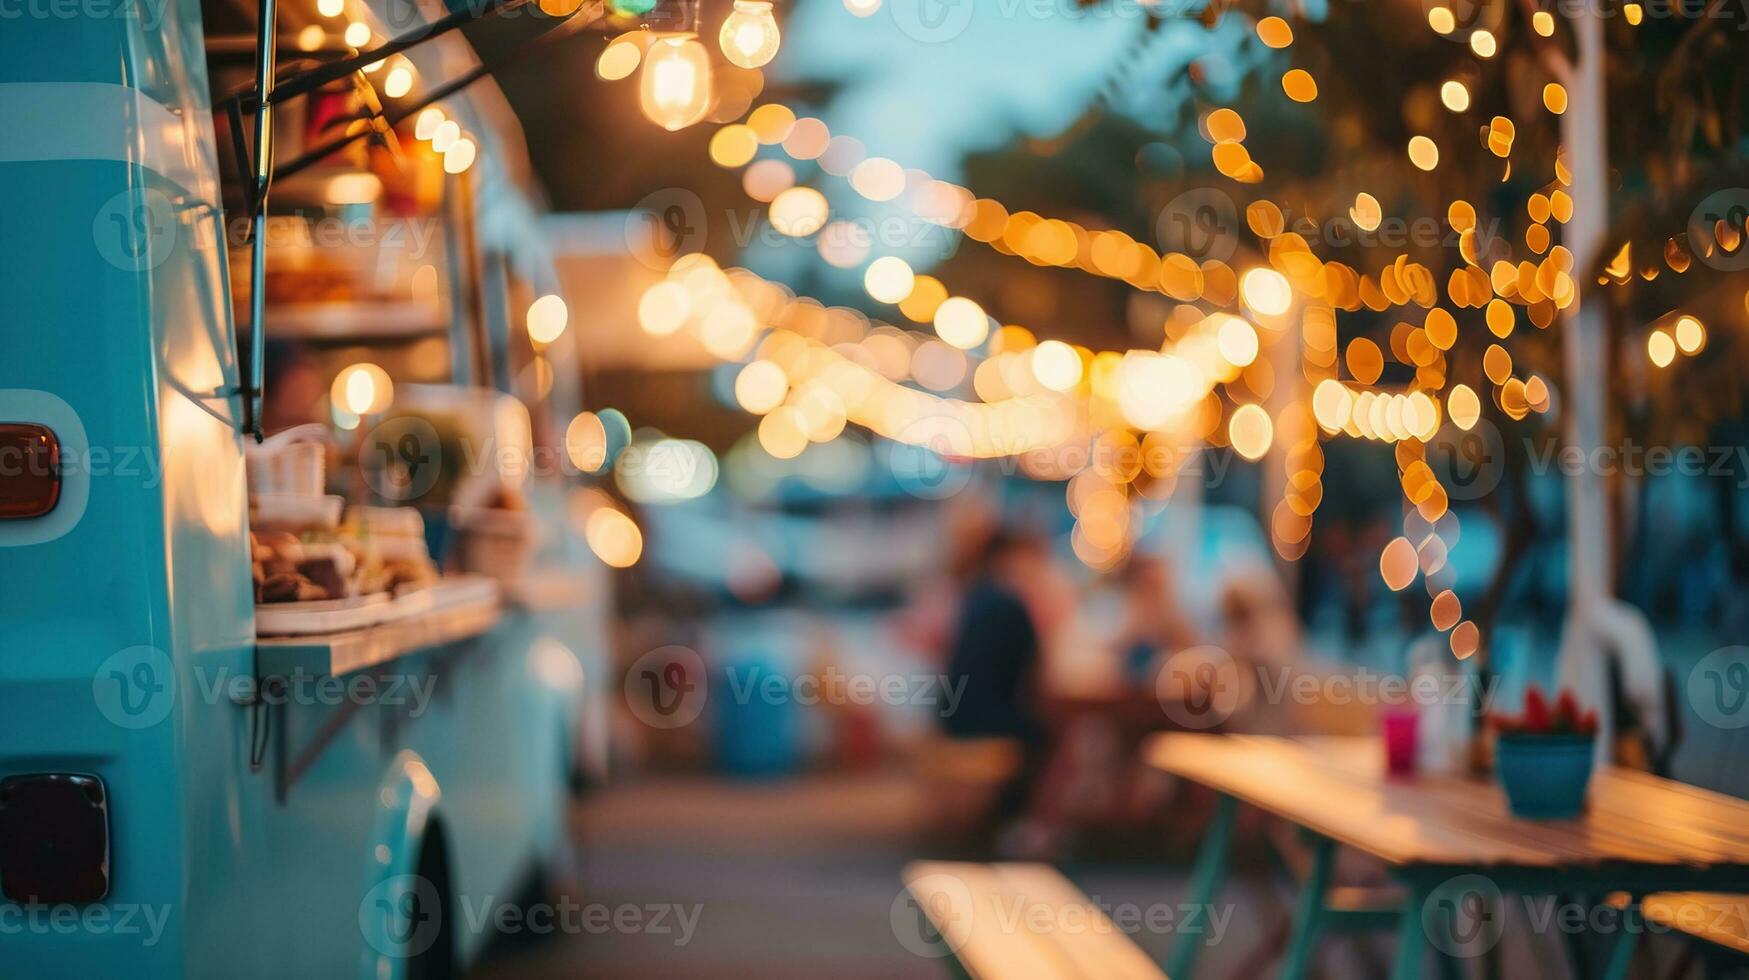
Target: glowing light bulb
<point x="330" y="8"/>
<point x="1661" y="348"/>
<point x="460" y="157"/>
<point x="749" y="37"/>
<point x="445" y="135"/>
<point x="546" y="319"/>
<point x="613" y="537"/>
<point x="357" y="34"/>
<point x="1455" y="95"/>
<point x="675" y="90"/>
<point x="1056" y="365"/>
<point x="398" y="82"/>
<point x="1266" y="291"/>
<point x="362" y="389"/>
<point x="889" y="279"/>
<point x="961" y="322"/>
<point x="621" y="57"/>
<point x="425" y="126"/>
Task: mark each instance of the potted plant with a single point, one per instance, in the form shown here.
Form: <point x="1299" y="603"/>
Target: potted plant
<point x="1544" y="756"/>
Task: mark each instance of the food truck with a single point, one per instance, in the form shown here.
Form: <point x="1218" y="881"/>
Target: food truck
<point x="296" y="645"/>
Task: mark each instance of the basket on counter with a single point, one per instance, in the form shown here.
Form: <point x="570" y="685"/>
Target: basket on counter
<point x="494" y="541"/>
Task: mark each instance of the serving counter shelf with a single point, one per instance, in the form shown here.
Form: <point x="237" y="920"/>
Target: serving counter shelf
<point x="453" y="611"/>
<point x="448" y="612"/>
<point x="547" y="589"/>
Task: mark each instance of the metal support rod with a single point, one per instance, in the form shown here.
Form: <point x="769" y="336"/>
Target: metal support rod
<point x="472" y="314"/>
<point x="315" y="78"/>
<point x="266" y="39"/>
<point x="1310" y="915"/>
<point x="314" y="156"/>
<point x="1206" y="878"/>
<point x="404" y="109"/>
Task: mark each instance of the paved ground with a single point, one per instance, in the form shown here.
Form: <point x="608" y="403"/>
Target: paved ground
<point x="799" y="878"/>
<point x="788" y="879"/>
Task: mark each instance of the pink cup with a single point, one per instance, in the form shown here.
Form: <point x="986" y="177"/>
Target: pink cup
<point x="1400" y="741"/>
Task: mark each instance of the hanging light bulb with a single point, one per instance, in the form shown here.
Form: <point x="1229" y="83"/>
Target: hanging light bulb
<point x="749" y="37"/>
<point x="399" y="80"/>
<point x="425" y="126"/>
<point x="675" y="90"/>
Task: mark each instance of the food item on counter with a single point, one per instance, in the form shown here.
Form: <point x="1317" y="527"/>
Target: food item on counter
<point x="376" y="550"/>
<point x="397" y="575"/>
<point x="285" y="571"/>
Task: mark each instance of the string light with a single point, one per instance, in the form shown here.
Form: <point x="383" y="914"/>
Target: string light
<point x="459" y="157"/>
<point x="546" y="319"/>
<point x="426" y="123"/>
<point x="749" y="37"/>
<point x="675" y="90"/>
<point x="398" y="82"/>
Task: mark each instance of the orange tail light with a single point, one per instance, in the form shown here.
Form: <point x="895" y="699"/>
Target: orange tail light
<point x="30" y="470"/>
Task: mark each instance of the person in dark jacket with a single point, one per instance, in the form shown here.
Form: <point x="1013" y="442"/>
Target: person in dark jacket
<point x="995" y="656"/>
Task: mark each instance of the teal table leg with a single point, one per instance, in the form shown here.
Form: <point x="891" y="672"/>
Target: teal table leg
<point x="1621" y="955"/>
<point x="1309" y="913"/>
<point x="1411" y="936"/>
<point x="1205" y="883"/>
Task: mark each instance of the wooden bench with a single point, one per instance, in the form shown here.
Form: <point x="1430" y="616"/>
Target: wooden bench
<point x="1718" y="919"/>
<point x="1001" y="921"/>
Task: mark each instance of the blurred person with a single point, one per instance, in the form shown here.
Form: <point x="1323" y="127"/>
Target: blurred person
<point x="1260" y="634"/>
<point x="293" y="388"/>
<point x="1154" y="621"/>
<point x="995" y="645"/>
<point x="1260" y="626"/>
<point x="994" y="660"/>
<point x="926" y="623"/>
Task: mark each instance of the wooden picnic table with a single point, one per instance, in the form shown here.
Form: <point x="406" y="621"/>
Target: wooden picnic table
<point x="1640" y="834"/>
